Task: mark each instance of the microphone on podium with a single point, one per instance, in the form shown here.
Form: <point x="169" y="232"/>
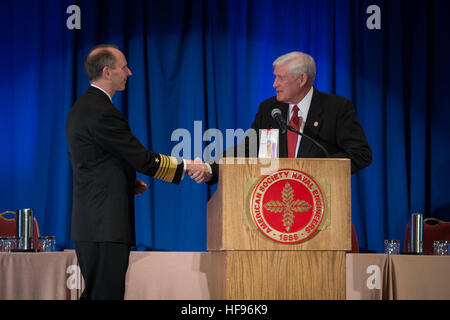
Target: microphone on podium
<point x="276" y="114"/>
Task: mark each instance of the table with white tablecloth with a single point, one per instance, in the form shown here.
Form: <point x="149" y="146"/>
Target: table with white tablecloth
<point x="397" y="277"/>
<point x="188" y="276"/>
<point x="151" y="275"/>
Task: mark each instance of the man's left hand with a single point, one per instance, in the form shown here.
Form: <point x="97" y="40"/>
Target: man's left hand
<point x="139" y="187"/>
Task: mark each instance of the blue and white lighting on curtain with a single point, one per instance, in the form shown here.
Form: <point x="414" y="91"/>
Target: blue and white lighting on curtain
<point x="211" y="61"/>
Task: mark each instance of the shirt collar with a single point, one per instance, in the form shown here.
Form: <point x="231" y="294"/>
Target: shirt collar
<point x="93" y="85"/>
<point x="304" y="104"/>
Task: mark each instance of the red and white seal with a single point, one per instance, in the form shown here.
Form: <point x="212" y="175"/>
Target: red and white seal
<point x="287" y="206"/>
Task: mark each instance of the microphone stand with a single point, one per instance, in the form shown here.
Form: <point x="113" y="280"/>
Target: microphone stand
<point x="309" y="138"/>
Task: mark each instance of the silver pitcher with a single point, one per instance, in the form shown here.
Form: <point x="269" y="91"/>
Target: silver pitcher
<point x="416" y="233"/>
<point x="24" y="229"/>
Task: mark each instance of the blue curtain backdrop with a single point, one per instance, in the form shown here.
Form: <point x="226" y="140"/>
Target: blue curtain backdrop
<point x="210" y="61"/>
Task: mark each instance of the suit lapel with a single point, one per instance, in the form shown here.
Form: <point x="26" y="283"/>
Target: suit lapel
<point x="313" y="123"/>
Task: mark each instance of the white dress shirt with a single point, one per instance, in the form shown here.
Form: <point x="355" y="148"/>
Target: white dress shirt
<point x="303" y="107"/>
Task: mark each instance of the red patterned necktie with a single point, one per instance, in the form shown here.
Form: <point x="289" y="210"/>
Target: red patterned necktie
<point x="291" y="136"/>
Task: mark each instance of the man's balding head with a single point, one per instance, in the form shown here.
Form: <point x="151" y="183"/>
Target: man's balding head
<point x="99" y="57"/>
<point x="107" y="68"/>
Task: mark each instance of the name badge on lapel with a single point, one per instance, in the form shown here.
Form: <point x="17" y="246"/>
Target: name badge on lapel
<point x="268" y="143"/>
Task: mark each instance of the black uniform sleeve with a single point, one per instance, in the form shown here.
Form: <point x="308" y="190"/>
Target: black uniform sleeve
<point x="112" y="132"/>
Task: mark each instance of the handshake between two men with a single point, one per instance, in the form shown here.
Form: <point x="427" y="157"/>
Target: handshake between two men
<point x="198" y="170"/>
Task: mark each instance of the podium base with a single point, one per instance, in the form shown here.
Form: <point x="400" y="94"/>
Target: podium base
<point x="276" y="275"/>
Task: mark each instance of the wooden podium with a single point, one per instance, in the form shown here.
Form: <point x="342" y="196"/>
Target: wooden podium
<point x="246" y="264"/>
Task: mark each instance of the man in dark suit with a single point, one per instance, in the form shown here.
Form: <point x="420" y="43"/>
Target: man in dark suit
<point x="105" y="156"/>
<point x="329" y="119"/>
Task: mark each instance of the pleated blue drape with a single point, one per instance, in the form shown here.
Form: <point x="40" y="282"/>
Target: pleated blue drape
<point x="210" y="61"/>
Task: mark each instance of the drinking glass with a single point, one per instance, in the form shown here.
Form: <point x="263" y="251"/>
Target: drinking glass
<point x="392" y="246"/>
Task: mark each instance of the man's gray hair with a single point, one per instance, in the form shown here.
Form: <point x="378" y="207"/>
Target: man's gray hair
<point x="298" y="63"/>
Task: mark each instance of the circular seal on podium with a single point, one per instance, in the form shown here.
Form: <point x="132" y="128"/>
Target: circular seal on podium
<point x="287" y="206"/>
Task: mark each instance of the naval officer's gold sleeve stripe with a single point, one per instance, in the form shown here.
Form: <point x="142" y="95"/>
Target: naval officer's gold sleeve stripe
<point x="167" y="169"/>
<point x="162" y="165"/>
<point x="173" y="165"/>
